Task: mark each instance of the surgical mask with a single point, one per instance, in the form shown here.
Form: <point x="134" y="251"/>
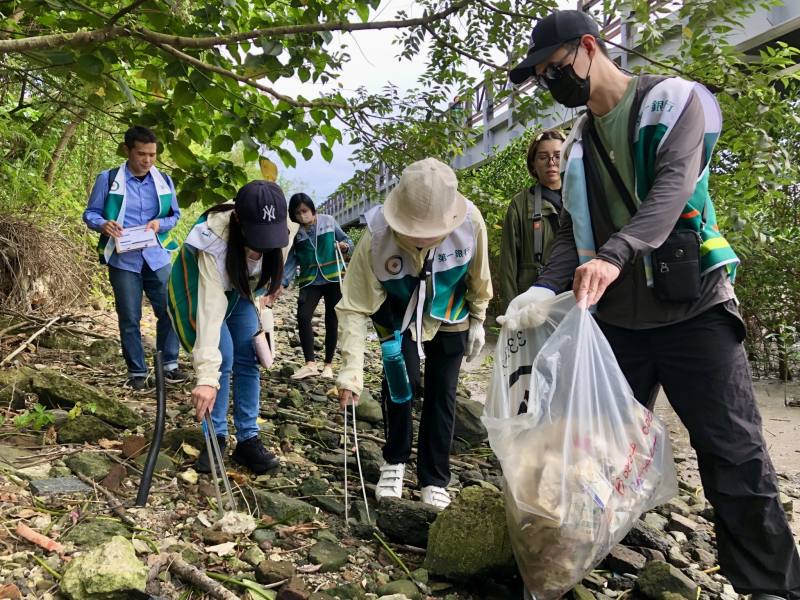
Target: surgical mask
<point x="567" y="88"/>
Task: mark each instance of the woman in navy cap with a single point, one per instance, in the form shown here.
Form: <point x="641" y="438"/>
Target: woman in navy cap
<point x="231" y="255"/>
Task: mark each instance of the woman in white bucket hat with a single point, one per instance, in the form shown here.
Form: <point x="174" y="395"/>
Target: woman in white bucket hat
<point x="421" y="270"/>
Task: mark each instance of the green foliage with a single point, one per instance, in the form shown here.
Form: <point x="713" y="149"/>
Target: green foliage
<point x="36" y="417"/>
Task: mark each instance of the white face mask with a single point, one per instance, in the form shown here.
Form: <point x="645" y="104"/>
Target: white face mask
<point x="253" y="266"/>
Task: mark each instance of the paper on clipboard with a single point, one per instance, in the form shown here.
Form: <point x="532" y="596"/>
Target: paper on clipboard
<point x="135" y="238"/>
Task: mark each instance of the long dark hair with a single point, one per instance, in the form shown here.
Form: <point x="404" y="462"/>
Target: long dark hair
<point x="298" y="199"/>
<point x="236" y="258"/>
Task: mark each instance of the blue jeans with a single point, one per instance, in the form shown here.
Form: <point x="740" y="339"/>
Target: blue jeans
<point x="128" y="287"/>
<point x="238" y="359"/>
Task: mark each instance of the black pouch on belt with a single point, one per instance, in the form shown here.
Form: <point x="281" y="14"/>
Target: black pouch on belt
<point x="676" y="267"/>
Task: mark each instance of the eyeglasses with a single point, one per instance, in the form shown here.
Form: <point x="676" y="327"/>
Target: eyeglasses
<point x="554" y="72"/>
<point x="549" y="158"/>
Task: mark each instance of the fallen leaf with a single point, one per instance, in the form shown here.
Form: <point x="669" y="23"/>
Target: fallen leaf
<point x="225" y="549"/>
<point x="236" y="523"/>
<point x="109" y="444"/>
<point x="203" y="518"/>
<point x="189" y="476"/>
<point x="308" y="568"/>
<point x="10" y="591"/>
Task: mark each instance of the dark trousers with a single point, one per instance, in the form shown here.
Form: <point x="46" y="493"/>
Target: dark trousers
<point x="443" y="356"/>
<point x="307" y="302"/>
<point x="703" y="369"/>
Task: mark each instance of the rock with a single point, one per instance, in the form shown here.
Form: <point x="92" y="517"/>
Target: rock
<point x="55" y="389"/>
<point x="369" y="409"/>
<point x="91" y="464"/>
<point x="580" y="592"/>
<point x="85" y="428"/>
<point x="164" y="463"/>
<point x="9" y="591"/>
<point x="15" y="384"/>
<point x="656" y="521"/>
<point x="103" y="351"/>
<point x="657" y="578"/>
<point x="115" y="477"/>
<point x="643" y="535"/>
<point x="404" y="587"/>
<point x="404" y="521"/>
<point x="680" y="523"/>
<point x="314" y="486"/>
<point x="395" y="597"/>
<point x="704" y="557"/>
<point x="59" y="485"/>
<point x="292" y="399"/>
<point x="788" y="506"/>
<point x="348" y="591"/>
<point x="468" y="425"/>
<point x="624" y="560"/>
<point x="469" y="538"/>
<point x="254" y="556"/>
<point x="676" y="505"/>
<point x="329" y="555"/>
<point x="175" y="438"/>
<point x="651" y="554"/>
<point x="61" y="340"/>
<point x="294" y="590"/>
<point x="95" y="532"/>
<point x="288" y="431"/>
<point x="107" y="572"/>
<point x="272" y="571"/>
<point x="678" y="558"/>
<point x="283" y="508"/>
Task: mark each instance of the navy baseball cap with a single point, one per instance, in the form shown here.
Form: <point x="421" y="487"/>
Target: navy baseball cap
<point x="549" y="35"/>
<point x="261" y="210"/>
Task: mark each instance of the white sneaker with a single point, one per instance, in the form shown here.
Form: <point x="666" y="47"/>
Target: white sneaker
<point x="327" y="372"/>
<point x="435" y="496"/>
<point x="305" y="371"/>
<point x="390" y="485"/>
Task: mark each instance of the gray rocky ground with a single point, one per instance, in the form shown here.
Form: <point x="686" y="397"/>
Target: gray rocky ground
<point x="297" y="544"/>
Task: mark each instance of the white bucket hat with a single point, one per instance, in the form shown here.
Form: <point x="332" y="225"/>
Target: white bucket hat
<point x="426" y="202"/>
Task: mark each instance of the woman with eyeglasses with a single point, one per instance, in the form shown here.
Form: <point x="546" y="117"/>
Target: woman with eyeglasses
<point x="531" y="221"/>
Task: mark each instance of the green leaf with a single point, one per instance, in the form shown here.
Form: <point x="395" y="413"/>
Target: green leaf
<point x="183" y="94"/>
<point x="89" y="67"/>
<point x="182" y="155"/>
<point x="362" y="8"/>
<point x="222" y="143"/>
<point x="326" y="152"/>
<point x="307" y="153"/>
<point x="286" y="157"/>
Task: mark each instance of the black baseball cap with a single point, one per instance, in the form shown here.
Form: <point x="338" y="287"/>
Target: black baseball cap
<point x="261" y="210"/>
<point x="549" y="35"/>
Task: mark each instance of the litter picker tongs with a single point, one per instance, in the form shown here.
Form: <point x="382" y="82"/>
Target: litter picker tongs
<point x="215" y="461"/>
<point x="358" y="462"/>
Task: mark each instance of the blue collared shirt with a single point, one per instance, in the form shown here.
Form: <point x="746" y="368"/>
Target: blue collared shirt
<point x="141" y="207"/>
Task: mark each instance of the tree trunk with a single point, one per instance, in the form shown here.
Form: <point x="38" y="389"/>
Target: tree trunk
<point x="69" y="131"/>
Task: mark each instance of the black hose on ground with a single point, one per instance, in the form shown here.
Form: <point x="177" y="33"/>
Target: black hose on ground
<point x="158" y="433"/>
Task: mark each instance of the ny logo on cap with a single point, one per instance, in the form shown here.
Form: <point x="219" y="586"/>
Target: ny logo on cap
<point x="269" y="213"/>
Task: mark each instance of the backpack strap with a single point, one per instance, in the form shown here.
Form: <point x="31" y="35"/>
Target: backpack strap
<point x="112" y="175"/>
<point x="538" y="233"/>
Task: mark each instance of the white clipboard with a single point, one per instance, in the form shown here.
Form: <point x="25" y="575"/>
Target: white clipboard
<point x="135" y="238"/>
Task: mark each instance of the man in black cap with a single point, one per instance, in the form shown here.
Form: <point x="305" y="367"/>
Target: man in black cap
<point x="638" y="238"/>
<point x="232" y="255"/>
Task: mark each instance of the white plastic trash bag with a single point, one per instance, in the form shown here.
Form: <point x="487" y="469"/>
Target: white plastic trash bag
<point x="582" y="459"/>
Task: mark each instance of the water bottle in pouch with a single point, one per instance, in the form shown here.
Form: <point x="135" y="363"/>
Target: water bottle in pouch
<point x="394" y="369"/>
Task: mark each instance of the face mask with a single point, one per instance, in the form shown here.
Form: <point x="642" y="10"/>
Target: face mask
<point x="568" y="89"/>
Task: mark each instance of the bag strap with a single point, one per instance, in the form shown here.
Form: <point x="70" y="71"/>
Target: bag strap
<point x="416" y="303"/>
<point x="622" y="189"/>
<point x="112" y="175"/>
<point x="538" y="234"/>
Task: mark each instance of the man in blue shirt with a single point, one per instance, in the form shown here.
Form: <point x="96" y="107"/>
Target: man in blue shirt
<point x="137" y="194"/>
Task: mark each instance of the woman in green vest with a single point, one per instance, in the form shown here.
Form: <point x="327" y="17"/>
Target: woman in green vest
<point x="316" y="259"/>
<point x="531" y="222"/>
<point x="232" y="255"/>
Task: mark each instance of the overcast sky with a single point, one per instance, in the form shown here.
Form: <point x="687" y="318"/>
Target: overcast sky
<point x="373" y="63"/>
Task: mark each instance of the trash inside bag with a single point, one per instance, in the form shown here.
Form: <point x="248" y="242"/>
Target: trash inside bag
<point x="581" y="458"/>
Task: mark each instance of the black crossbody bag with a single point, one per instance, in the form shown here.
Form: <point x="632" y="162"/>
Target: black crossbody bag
<point x="676" y="263"/>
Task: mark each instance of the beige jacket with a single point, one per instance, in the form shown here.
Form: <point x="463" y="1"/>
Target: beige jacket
<point x="212" y="303"/>
<point x="363" y="295"/>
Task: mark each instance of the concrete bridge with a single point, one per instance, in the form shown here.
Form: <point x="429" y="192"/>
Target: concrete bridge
<point x="497" y="119"/>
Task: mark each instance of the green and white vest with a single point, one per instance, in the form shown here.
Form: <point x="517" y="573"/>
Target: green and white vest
<point x="182" y="289"/>
<point x="320" y="254"/>
<point x="114" y="209"/>
<point x="394" y="267"/>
